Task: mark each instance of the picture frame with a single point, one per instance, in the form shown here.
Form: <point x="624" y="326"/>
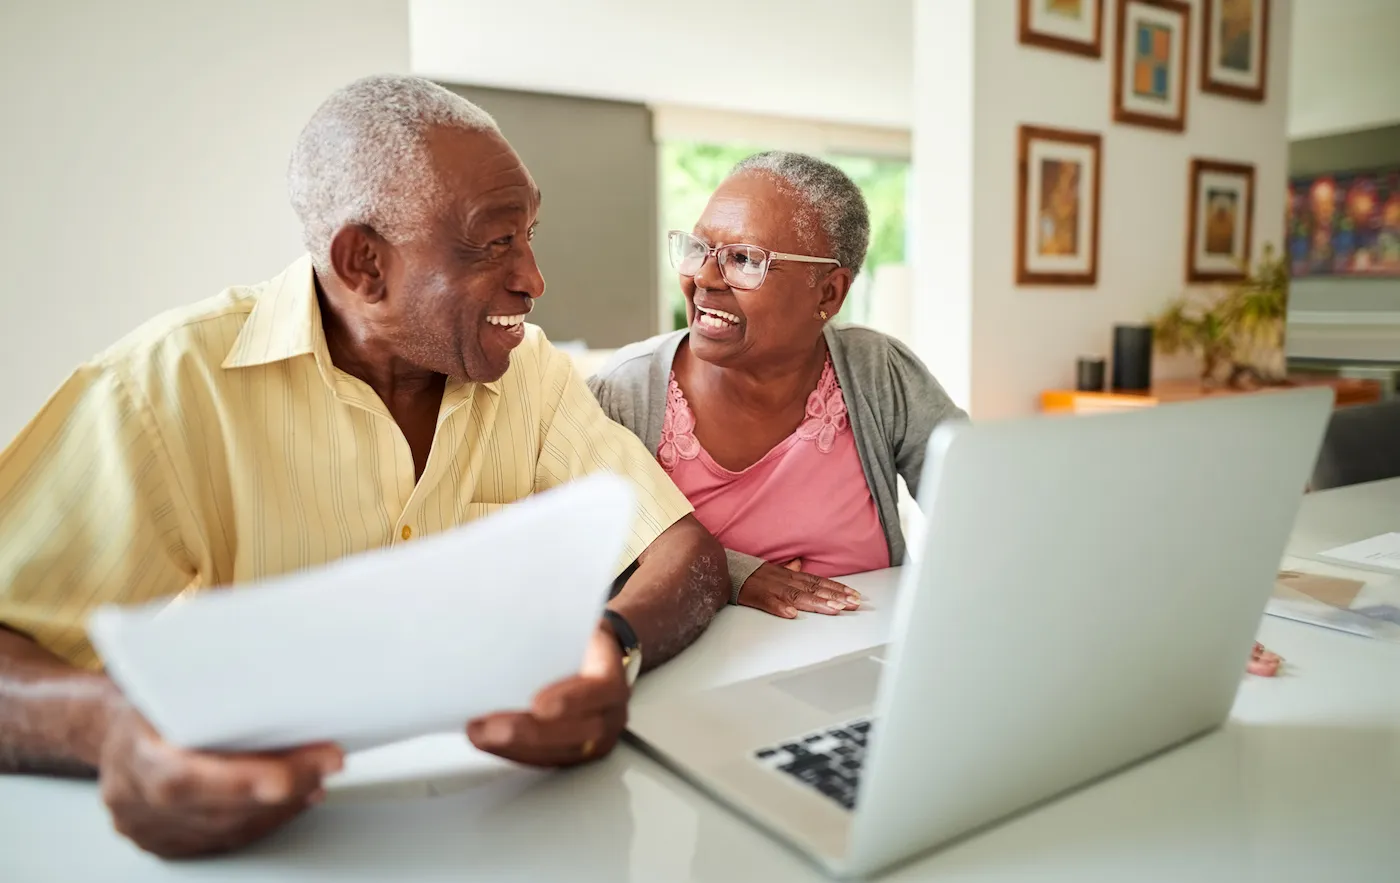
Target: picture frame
<point x="1235" y="48"/>
<point x="1074" y="26"/>
<point x="1220" y="221"/>
<point x="1344" y="225"/>
<point x="1152" y="58"/>
<point x="1058" y="206"/>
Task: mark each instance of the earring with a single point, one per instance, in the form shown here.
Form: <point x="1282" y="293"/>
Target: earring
<point x="821" y="314"/>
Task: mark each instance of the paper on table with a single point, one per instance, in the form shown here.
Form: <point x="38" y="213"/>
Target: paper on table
<point x="1338" y="600"/>
<point x="1380" y="553"/>
<point x="400" y="642"/>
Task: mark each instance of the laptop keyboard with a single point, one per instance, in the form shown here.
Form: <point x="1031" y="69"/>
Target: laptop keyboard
<point x="828" y="761"/>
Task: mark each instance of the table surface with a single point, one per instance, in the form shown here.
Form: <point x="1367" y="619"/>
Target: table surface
<point x="1303" y="783"/>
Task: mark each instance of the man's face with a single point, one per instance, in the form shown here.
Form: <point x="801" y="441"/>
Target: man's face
<point x="461" y="291"/>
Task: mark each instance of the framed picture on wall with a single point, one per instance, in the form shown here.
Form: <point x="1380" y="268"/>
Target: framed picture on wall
<point x="1345" y="224"/>
<point x="1235" y="48"/>
<point x="1057" y="207"/>
<point x="1149" y="79"/>
<point x="1220" y="219"/>
<point x="1064" y="25"/>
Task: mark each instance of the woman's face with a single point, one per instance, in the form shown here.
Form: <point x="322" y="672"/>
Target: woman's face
<point x="778" y="320"/>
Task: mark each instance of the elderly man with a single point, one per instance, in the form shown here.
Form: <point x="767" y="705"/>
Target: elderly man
<point x="382" y="388"/>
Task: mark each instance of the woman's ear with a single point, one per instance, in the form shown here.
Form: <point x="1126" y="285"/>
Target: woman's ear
<point x="834" y="288"/>
<point x="359" y="258"/>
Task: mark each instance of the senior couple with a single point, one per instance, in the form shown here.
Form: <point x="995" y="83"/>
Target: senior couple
<point x="386" y="387"/>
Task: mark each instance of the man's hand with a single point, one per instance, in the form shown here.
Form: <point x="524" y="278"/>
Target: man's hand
<point x="782" y="591"/>
<point x="178" y="804"/>
<point x="570" y="722"/>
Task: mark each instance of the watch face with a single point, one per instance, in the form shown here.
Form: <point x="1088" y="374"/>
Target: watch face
<point x="628" y="643"/>
<point x="632" y="665"/>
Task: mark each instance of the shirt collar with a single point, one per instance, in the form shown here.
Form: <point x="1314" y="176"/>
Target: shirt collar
<point x="286" y="323"/>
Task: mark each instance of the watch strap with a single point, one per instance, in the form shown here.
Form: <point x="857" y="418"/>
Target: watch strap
<point x="626" y="637"/>
<point x="627" y="641"/>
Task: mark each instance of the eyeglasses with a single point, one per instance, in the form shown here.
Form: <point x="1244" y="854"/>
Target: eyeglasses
<point x="741" y="266"/>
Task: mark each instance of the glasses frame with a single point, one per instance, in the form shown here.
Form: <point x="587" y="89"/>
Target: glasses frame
<point x="714" y="250"/>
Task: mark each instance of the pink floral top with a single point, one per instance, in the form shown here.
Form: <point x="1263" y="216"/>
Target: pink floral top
<point x="806" y="499"/>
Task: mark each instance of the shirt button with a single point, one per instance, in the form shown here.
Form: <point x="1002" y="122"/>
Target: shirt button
<point x="407" y="532"/>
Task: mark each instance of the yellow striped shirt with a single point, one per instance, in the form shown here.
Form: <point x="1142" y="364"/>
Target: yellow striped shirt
<point x="217" y="444"/>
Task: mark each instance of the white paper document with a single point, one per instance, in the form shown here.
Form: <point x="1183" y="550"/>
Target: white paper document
<point x="1344" y="599"/>
<point x="395" y="643"/>
<point x="1380" y="553"/>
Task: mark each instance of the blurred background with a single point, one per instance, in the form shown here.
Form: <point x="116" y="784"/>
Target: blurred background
<point x="146" y="144"/>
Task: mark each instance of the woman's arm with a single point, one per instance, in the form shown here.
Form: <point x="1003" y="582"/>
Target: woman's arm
<point x="741" y="567"/>
<point x="920" y="404"/>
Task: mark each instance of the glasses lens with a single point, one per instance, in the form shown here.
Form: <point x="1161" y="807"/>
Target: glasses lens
<point x="687" y="253"/>
<point x="743" y="266"/>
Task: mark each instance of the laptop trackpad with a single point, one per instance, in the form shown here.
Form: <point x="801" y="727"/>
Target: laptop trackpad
<point x="835" y="688"/>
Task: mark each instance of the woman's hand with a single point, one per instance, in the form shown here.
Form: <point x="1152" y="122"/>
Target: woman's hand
<point x="784" y="590"/>
<point x="1263" y="662"/>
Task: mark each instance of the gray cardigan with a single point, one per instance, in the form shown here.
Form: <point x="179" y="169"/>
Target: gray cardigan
<point x="892" y="401"/>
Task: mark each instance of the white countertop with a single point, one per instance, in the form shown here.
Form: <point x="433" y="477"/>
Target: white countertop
<point x="1303" y="784"/>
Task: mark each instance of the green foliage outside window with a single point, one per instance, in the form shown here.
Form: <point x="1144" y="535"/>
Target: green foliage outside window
<point x="690" y="172"/>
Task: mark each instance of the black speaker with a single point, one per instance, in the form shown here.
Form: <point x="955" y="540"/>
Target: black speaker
<point x="1089" y="374"/>
<point x="1132" y="358"/>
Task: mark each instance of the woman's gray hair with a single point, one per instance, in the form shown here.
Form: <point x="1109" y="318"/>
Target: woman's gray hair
<point x="363" y="159"/>
<point x="830" y="200"/>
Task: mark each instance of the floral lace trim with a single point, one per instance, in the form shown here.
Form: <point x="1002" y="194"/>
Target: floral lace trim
<point x="826" y="419"/>
<point x="826" y="412"/>
<point x="678" y="441"/>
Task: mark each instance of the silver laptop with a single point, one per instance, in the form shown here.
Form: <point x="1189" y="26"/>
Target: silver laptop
<point x="1086" y="594"/>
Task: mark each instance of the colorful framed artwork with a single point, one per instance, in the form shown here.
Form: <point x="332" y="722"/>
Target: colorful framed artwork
<point x="1235" y="48"/>
<point x="1345" y="224"/>
<point x="1149" y="83"/>
<point x="1064" y="25"/>
<point x="1221" y="221"/>
<point x="1057" y="207"/>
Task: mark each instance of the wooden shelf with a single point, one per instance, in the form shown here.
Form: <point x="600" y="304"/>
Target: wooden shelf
<point x="1347" y="391"/>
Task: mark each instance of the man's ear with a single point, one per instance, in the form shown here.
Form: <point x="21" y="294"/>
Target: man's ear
<point x="834" y="288"/>
<point x="359" y="257"/>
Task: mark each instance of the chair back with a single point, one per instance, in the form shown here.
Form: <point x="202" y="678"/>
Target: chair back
<point x="1362" y="444"/>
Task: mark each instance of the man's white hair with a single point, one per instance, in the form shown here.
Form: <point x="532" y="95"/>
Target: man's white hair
<point x="363" y="159"/>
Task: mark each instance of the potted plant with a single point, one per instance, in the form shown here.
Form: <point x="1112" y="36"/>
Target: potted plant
<point x="1236" y="330"/>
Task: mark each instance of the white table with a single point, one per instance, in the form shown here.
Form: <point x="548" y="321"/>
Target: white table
<point x="1302" y="785"/>
<point x="1335" y="518"/>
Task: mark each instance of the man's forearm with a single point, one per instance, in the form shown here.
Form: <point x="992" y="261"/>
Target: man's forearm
<point x="681" y="582"/>
<point x="52" y="715"/>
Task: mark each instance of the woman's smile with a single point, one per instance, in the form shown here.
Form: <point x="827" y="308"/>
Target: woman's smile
<point x="716" y="324"/>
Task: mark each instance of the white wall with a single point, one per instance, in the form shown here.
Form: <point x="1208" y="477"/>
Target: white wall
<point x="815" y="59"/>
<point x="942" y="193"/>
<point x="143" y="158"/>
<point x="1025" y="340"/>
<point x="1345" y="66"/>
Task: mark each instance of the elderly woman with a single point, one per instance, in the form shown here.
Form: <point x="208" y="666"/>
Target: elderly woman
<point x="786" y="432"/>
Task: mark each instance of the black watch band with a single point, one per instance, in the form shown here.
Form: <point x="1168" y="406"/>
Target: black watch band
<point x="626" y="637"/>
<point x="629" y="644"/>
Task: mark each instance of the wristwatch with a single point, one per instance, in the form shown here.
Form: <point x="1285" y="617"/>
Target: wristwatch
<point x="627" y="640"/>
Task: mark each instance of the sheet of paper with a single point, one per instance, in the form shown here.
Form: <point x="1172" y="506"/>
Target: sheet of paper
<point x="1365" y="603"/>
<point x="395" y="643"/>
<point x="1380" y="553"/>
